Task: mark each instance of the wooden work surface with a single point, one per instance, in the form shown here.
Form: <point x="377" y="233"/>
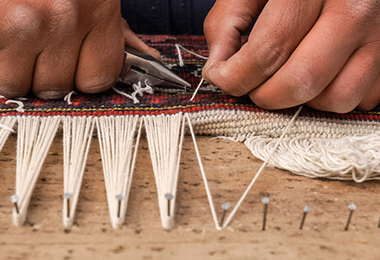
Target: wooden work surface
<point x="230" y="167"/>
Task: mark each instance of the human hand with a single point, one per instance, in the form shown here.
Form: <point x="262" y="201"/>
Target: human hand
<point x="51" y="46"/>
<point x="325" y="53"/>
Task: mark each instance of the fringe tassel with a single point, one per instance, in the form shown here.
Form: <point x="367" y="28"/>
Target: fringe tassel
<point x="77" y="134"/>
<point x="349" y="158"/>
<point x="35" y="135"/>
<point x="6" y="127"/>
<point x="116" y="136"/>
<point x="165" y="137"/>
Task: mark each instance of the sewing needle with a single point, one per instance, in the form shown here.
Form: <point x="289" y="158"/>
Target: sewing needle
<point x="14" y="200"/>
<point x="225" y="206"/>
<point x="169" y="197"/>
<point x="119" y="198"/>
<point x="68" y="196"/>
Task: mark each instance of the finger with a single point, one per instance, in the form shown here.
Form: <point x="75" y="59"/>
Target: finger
<point x="312" y="66"/>
<point x="55" y="70"/>
<point x="280" y="28"/>
<point x="352" y="84"/>
<point x="100" y="58"/>
<point x="372" y="98"/>
<point x="132" y="40"/>
<point x="225" y="23"/>
<point x="16" y="71"/>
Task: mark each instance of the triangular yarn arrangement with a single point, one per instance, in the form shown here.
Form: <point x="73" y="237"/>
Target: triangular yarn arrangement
<point x="77" y="135"/>
<point x="221" y="226"/>
<point x="165" y="137"/>
<point x="34" y="137"/>
<point x="118" y="139"/>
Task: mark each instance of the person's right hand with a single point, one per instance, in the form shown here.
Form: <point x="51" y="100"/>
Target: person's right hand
<point x="52" y="46"/>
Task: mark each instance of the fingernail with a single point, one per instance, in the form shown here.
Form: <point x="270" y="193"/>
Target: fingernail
<point x="53" y="94"/>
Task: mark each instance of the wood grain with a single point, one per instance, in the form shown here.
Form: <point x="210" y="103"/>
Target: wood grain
<point x="229" y="167"/>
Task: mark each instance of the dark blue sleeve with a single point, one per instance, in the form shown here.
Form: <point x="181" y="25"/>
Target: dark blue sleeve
<point x="166" y="16"/>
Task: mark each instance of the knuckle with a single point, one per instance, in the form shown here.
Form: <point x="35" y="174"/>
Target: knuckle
<point x="270" y="57"/>
<point x="21" y="21"/>
<point x="302" y="83"/>
<point x="364" y="9"/>
<point x="95" y="85"/>
<point x="62" y="14"/>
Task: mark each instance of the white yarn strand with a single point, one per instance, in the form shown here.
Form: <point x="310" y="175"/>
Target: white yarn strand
<point x="35" y="135"/>
<point x="116" y="135"/>
<point x="6" y="127"/>
<point x="180" y="59"/>
<point x="209" y="196"/>
<point x="165" y="135"/>
<point x="77" y="135"/>
<point x="20" y="104"/>
<point x="197" y="89"/>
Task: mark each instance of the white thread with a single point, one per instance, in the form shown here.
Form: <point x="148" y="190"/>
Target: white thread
<point x="20" y="104"/>
<point x="116" y="135"/>
<point x="135" y="100"/>
<point x="165" y="137"/>
<point x="77" y="134"/>
<point x="34" y="138"/>
<point x="354" y="157"/>
<point x="68" y="96"/>
<point x="22" y="98"/>
<point x="1" y="96"/>
<point x="209" y="196"/>
<point x="139" y="90"/>
<point x="6" y="127"/>
<point x="197" y="89"/>
<point x="180" y="59"/>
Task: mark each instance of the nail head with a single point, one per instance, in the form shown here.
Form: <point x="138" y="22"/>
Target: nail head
<point x="306" y="209"/>
<point x="14" y="198"/>
<point x="226" y="206"/>
<point x="352" y="206"/>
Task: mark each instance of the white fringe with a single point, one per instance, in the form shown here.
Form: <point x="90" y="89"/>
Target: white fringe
<point x="349" y="158"/>
<point x="6" y="127"/>
<point x="118" y="147"/>
<point x="77" y="134"/>
<point x="165" y="137"/>
<point x="35" y="135"/>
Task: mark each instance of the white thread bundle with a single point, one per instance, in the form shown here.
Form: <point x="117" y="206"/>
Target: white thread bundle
<point x="139" y="89"/>
<point x="180" y="59"/>
<point x="117" y="139"/>
<point x="165" y="136"/>
<point x="6" y="127"/>
<point x="35" y="135"/>
<point x="77" y="134"/>
<point x="349" y="158"/>
<point x="238" y="204"/>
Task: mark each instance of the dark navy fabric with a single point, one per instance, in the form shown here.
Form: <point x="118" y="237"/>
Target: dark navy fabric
<point x="166" y="16"/>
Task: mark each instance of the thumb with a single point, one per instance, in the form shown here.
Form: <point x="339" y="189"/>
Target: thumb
<point x="223" y="27"/>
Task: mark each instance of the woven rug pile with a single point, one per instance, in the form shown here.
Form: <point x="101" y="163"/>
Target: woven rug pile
<point x="319" y="144"/>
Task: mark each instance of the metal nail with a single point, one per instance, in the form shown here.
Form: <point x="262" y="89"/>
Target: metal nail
<point x="225" y="206"/>
<point x="352" y="208"/>
<point x="306" y="210"/>
<point x="14" y="200"/>
<point x="169" y="197"/>
<point x="265" y="201"/>
<point x="67" y="196"/>
<point x="119" y="198"/>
